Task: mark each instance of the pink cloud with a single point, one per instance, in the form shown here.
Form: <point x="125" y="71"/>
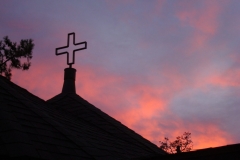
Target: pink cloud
<point x="204" y="17"/>
<point x="39" y="80"/>
<point x="210" y="135"/>
<point x="203" y="135"/>
<point x="230" y="78"/>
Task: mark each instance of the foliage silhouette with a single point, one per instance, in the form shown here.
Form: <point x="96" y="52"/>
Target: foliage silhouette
<point x="11" y="55"/>
<point x="182" y="143"/>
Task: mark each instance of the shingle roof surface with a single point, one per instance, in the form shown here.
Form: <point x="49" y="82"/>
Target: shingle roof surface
<point x="65" y="127"/>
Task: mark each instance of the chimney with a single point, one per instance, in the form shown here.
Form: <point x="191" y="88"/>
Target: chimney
<point x="69" y="80"/>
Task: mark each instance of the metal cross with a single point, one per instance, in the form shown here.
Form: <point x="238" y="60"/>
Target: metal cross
<point x="65" y="49"/>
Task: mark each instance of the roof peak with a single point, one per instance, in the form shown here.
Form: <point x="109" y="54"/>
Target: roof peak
<point x="69" y="80"/>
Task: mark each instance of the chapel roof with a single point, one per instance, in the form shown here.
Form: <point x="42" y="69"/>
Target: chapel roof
<point x="64" y="127"/>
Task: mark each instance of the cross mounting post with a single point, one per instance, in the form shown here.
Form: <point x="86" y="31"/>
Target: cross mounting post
<point x="65" y="49"/>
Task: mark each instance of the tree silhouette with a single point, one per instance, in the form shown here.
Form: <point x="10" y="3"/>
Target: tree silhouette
<point x="11" y="55"/>
<point x="182" y="143"/>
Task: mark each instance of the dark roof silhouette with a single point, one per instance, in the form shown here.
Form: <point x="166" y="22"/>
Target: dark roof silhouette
<point x="64" y="127"/>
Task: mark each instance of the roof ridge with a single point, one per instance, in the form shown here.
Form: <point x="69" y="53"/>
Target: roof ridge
<point x="121" y="126"/>
<point x="141" y="141"/>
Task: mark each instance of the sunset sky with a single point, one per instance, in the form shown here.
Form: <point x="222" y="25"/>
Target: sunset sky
<point x="159" y="67"/>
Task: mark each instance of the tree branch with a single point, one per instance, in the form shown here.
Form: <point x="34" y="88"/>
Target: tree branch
<point x="6" y="61"/>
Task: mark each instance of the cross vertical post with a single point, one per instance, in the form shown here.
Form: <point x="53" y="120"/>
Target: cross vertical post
<point x="71" y="54"/>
